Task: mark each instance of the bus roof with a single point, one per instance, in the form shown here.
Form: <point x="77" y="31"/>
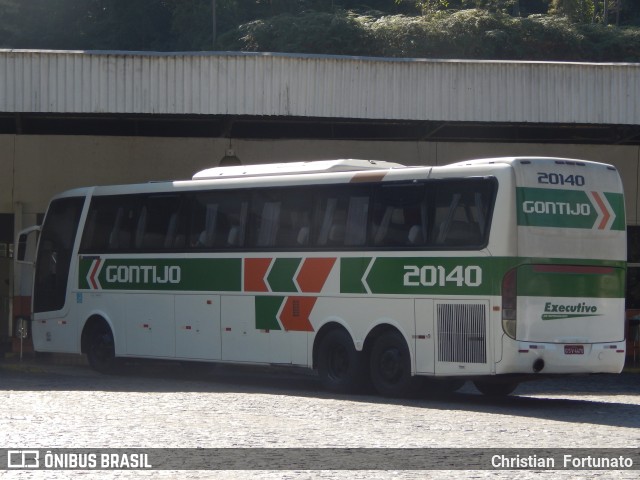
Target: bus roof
<point x="529" y="160"/>
<point x="293" y="168"/>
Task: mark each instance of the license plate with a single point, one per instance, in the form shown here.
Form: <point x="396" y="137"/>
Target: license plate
<point x="574" y="349"/>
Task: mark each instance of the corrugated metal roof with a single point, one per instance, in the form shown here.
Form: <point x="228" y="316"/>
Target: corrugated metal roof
<point x="318" y="86"/>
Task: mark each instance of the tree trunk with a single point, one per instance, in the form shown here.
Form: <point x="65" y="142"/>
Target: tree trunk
<point x="516" y="8"/>
<point x="213" y="24"/>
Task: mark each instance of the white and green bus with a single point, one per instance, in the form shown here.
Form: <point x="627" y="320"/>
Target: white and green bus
<point x="495" y="271"/>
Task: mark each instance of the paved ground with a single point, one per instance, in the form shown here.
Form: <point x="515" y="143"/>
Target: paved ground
<point x="166" y="405"/>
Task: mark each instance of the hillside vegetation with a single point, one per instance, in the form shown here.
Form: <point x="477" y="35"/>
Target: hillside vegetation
<point x="471" y="34"/>
<point x="565" y="30"/>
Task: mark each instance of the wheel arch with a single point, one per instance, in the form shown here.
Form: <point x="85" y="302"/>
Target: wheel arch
<point x="383" y="326"/>
<point x="329" y="326"/>
<point x="94" y="320"/>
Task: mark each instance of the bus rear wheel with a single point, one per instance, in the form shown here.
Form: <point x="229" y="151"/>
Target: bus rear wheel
<point x="391" y="367"/>
<point x="101" y="349"/>
<point x="495" y="389"/>
<point x="340" y="366"/>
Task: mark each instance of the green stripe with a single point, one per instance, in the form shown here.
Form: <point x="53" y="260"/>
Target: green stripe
<point x="546" y="207"/>
<point x="423" y="275"/>
<point x="280" y="277"/>
<point x="433" y="276"/>
<point x="616" y="201"/>
<point x="267" y="312"/>
<point x="193" y="274"/>
<point x="384" y="275"/>
<point x="562" y="284"/>
<point x="351" y="272"/>
<point x="475" y="276"/>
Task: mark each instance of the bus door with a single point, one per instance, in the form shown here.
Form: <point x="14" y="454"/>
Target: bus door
<point x="52" y="330"/>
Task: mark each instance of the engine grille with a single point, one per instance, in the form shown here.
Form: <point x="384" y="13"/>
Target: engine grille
<point x="462" y="333"/>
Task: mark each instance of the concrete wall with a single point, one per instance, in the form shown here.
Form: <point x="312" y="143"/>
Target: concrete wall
<point x="35" y="167"/>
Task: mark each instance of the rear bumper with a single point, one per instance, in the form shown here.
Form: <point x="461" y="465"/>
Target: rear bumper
<point x="550" y="358"/>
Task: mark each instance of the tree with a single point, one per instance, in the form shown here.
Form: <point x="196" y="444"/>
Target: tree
<point x="606" y="7"/>
<point x="576" y="10"/>
<point x="194" y="25"/>
<point x="55" y="24"/>
<point x="429" y="6"/>
<point x="132" y="25"/>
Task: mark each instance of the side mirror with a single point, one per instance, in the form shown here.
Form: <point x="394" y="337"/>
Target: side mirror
<point x="23" y="243"/>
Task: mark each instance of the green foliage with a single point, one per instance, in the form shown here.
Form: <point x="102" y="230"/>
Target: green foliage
<point x="56" y="23"/>
<point x="477" y="34"/>
<point x="309" y="32"/>
<point x="191" y="26"/>
<point x="476" y="29"/>
<point x="576" y="10"/>
<point x="473" y="34"/>
<point x="609" y="44"/>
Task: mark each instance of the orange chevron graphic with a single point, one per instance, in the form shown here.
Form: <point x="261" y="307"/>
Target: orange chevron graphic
<point x="606" y="215"/>
<point x="295" y="313"/>
<point x="255" y="270"/>
<point x="313" y="274"/>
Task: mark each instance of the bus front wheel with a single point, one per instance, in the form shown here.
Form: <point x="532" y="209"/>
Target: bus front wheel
<point x="340" y="366"/>
<point x="391" y="367"/>
<point x="101" y="351"/>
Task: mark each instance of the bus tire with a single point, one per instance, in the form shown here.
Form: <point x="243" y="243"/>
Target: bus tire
<point x="390" y="367"/>
<point x="101" y="349"/>
<point x="341" y="367"/>
<point x="495" y="389"/>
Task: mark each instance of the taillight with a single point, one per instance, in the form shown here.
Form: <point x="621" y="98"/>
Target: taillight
<point x="509" y="303"/>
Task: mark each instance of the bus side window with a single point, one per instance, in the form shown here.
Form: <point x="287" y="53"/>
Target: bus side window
<point x="203" y="229"/>
<point x="207" y="237"/>
<point x="327" y="215"/>
<point x="157" y="226"/>
<point x="215" y="220"/>
<point x="399" y="215"/>
<point x="356" y="227"/>
<point x="294" y="230"/>
<point x="281" y="217"/>
<point x="120" y="235"/>
<point x="237" y="217"/>
<point x="269" y="221"/>
<point x="462" y="213"/>
<point x="109" y="225"/>
<point x="342" y="216"/>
